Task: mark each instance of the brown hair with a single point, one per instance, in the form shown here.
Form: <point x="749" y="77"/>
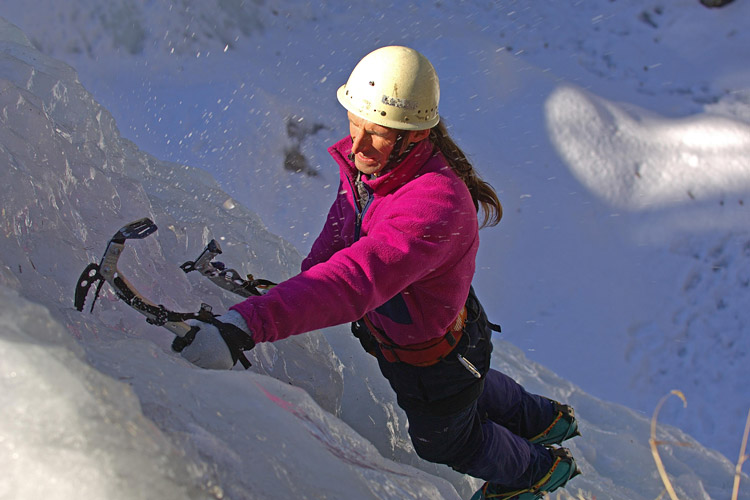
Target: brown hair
<point x="482" y="192"/>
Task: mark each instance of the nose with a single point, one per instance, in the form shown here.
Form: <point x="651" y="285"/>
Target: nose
<point x="359" y="139"/>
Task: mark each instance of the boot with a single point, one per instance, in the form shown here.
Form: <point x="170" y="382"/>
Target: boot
<point x="563" y="469"/>
<point x="564" y="426"/>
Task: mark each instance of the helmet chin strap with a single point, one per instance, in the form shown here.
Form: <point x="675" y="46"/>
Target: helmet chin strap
<point x="397" y="155"/>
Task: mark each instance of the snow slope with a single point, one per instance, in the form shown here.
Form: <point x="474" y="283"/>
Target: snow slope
<point x="625" y="232"/>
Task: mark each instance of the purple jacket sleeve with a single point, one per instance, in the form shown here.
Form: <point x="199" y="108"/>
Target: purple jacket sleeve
<point x="418" y="234"/>
<point x="330" y="239"/>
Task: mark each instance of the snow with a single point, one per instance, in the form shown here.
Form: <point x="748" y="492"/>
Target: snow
<point x="617" y="134"/>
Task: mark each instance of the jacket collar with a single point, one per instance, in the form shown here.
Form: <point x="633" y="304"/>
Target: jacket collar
<point x="405" y="171"/>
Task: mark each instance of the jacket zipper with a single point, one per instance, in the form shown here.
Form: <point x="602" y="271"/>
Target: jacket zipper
<point x="359" y="212"/>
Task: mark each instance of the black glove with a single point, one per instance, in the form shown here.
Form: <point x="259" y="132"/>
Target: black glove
<point x="218" y="344"/>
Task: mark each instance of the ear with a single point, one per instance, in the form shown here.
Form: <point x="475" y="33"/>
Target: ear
<point x="418" y="135"/>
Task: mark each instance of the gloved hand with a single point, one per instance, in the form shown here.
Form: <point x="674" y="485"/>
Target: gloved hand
<point x="210" y="349"/>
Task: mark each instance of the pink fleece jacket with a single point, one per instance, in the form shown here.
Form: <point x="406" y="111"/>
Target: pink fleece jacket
<point x="410" y="269"/>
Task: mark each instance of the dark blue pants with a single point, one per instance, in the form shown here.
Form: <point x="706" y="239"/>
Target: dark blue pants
<point x="487" y="439"/>
<point x="476" y="426"/>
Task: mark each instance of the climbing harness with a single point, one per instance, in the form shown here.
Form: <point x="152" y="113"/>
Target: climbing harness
<point x="423" y="354"/>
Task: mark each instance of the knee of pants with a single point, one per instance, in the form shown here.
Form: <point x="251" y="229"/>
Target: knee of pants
<point x="457" y="459"/>
<point x="447" y="444"/>
<point x="434" y="449"/>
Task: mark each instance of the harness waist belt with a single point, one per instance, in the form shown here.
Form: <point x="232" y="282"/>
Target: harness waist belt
<point x="422" y="354"/>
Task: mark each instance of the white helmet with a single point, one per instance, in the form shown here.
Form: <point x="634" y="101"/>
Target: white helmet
<point x="395" y="87"/>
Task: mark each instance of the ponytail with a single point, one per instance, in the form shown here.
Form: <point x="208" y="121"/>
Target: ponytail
<point x="482" y="193"/>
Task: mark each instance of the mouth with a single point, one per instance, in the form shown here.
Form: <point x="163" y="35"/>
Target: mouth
<point x="366" y="160"/>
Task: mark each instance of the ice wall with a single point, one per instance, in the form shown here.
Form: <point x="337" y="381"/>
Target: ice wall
<point x="99" y="401"/>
